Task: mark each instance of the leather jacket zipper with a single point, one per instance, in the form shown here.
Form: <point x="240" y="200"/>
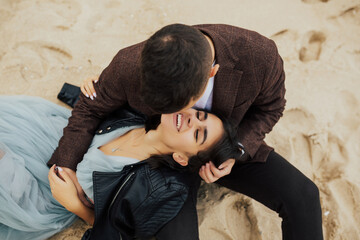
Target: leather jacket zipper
<point x="117" y="193"/>
<point x="121" y="187"/>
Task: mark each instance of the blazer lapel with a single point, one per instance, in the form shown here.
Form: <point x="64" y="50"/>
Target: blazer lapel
<point x="227" y="79"/>
<point x="225" y="90"/>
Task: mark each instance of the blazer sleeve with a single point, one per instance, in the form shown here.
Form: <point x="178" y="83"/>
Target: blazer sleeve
<point x="87" y="115"/>
<point x="268" y="106"/>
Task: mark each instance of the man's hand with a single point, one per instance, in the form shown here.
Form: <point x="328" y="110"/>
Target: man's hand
<point x="87" y="87"/>
<point x="209" y="173"/>
<point x="81" y="194"/>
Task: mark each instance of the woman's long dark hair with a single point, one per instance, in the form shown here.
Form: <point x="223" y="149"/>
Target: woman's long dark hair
<point x="225" y="148"/>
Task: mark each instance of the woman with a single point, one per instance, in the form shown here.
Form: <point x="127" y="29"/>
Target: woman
<point x="30" y="128"/>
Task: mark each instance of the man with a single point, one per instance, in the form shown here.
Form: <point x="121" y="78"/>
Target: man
<point x="231" y="71"/>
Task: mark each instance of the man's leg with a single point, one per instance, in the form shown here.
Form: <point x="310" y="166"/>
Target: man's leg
<point x="185" y="224"/>
<point x="281" y="187"/>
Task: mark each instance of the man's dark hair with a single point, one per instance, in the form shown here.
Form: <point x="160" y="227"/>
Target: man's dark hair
<point x="175" y="66"/>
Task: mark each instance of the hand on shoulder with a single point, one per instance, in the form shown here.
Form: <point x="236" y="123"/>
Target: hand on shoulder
<point x="87" y="87"/>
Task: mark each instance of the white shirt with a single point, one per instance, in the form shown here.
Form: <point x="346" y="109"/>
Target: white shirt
<point x="205" y="102"/>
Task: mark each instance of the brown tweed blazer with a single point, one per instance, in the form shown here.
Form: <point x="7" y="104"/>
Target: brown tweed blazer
<point x="249" y="88"/>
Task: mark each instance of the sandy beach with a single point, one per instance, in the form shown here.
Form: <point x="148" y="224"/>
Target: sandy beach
<point x="46" y="43"/>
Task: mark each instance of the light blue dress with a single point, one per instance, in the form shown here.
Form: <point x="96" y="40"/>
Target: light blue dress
<point x="30" y="129"/>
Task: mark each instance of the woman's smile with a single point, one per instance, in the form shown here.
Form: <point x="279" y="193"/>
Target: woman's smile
<point x="178" y="121"/>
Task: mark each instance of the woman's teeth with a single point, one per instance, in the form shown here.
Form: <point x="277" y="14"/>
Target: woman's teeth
<point x="178" y="122"/>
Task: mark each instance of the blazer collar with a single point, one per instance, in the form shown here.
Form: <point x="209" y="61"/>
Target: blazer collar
<point x="228" y="77"/>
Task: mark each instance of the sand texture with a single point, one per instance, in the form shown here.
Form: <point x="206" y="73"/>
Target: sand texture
<point x="46" y="43"/>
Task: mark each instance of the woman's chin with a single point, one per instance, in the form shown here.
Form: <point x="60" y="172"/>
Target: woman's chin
<point x="167" y="122"/>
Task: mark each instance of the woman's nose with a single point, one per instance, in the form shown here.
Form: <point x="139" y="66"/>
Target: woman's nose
<point x="193" y="121"/>
<point x="190" y="121"/>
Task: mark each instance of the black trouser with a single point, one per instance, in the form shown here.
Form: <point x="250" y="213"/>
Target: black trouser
<point x="276" y="184"/>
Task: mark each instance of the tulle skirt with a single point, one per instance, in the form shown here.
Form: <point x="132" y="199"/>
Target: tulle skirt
<point x="30" y="129"/>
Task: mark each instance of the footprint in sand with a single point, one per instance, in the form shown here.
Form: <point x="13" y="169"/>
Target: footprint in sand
<point x="298" y="138"/>
<point x="242" y="211"/>
<point x="312" y="46"/>
<point x="226" y="215"/>
<point x="67" y="11"/>
<point x="36" y="63"/>
<point x="351" y="14"/>
<point x="341" y="203"/>
<point x="28" y="62"/>
<point x="209" y="193"/>
<point x="231" y="218"/>
<point x="285" y="41"/>
<point x="314" y="1"/>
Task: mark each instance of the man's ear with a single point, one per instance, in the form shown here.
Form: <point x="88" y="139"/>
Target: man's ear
<point x="214" y="70"/>
<point x="181" y="159"/>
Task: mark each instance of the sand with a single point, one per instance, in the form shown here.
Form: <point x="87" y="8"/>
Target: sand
<point x="46" y="43"/>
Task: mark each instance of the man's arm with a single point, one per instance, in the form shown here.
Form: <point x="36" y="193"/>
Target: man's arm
<point x="263" y="114"/>
<point x="267" y="108"/>
<point x="87" y="115"/>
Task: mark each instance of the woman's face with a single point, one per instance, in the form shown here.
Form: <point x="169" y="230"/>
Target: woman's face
<point x="189" y="131"/>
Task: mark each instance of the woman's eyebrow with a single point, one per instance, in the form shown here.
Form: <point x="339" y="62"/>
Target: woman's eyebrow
<point x="205" y="136"/>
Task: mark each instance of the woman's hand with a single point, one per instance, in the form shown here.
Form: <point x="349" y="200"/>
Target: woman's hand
<point x="87" y="87"/>
<point x="209" y="173"/>
<point x="81" y="194"/>
<point x="63" y="189"/>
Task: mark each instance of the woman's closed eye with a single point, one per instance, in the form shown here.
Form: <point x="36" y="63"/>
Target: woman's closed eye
<point x="201" y="115"/>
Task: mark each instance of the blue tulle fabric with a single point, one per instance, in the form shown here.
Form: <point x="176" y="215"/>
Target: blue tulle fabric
<point x="30" y="129"/>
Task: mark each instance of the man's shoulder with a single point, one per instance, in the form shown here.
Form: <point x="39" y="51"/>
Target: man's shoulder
<point x="130" y="54"/>
<point x="237" y="38"/>
<point x="234" y="32"/>
<point x="245" y="48"/>
<point x="126" y="65"/>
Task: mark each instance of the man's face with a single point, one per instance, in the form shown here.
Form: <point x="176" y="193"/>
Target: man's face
<point x="191" y="104"/>
<point x="194" y="100"/>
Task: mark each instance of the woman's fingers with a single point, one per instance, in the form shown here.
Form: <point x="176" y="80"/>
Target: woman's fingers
<point x="209" y="174"/>
<point x="50" y="176"/>
<point x="91" y="88"/>
<point x="87" y="87"/>
<point x="82" y="88"/>
<point x="64" y="175"/>
<point x="215" y="171"/>
<point x="88" y="92"/>
<point x="227" y="166"/>
<point x="53" y="177"/>
<point x="202" y="174"/>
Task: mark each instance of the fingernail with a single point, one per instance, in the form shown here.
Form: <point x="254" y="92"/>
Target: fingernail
<point x="60" y="169"/>
<point x="56" y="168"/>
<point x="91" y="97"/>
<point x="87" y="95"/>
<point x="94" y="94"/>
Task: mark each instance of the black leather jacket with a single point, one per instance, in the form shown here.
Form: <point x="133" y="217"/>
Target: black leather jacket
<point x="138" y="201"/>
